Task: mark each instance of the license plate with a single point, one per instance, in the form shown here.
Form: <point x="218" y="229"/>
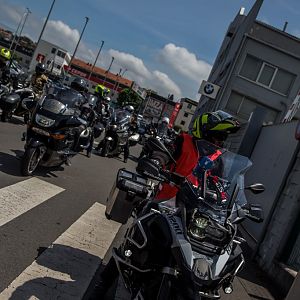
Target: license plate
<point x="41" y="131"/>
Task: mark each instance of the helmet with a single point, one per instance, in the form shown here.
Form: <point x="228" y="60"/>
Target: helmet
<point x="40" y="68"/>
<point x="5" y="54"/>
<point x="165" y="120"/>
<point x="216" y="124"/>
<point x="79" y="85"/>
<point x="107" y="99"/>
<point x="102" y="90"/>
<point x="129" y="108"/>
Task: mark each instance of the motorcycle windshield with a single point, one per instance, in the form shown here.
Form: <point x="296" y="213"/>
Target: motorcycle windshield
<point x="64" y="102"/>
<point x="121" y="117"/>
<point x="224" y="180"/>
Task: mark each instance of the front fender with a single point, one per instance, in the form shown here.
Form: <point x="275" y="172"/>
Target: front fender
<point x="33" y="143"/>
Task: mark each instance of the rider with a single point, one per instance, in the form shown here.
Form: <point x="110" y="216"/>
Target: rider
<point x="162" y="128"/>
<point x="39" y="79"/>
<point x="5" y="56"/>
<point x="102" y="107"/>
<point x="213" y="127"/>
<point x="132" y="128"/>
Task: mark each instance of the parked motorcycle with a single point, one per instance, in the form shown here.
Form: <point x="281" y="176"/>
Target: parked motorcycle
<point x="118" y="134"/>
<point x="188" y="249"/>
<point x="57" y="131"/>
<point x="13" y="96"/>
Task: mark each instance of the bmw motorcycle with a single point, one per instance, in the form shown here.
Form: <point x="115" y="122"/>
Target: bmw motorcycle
<point x="16" y="98"/>
<point x="56" y="132"/>
<point x="118" y="134"/>
<point x="188" y="248"/>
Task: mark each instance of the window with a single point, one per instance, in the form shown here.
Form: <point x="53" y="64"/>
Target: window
<point x="267" y="75"/>
<point x="242" y="107"/>
<point x="182" y="122"/>
<point x="61" y="54"/>
<point x="189" y="106"/>
<point x="53" y="50"/>
<point x="186" y="115"/>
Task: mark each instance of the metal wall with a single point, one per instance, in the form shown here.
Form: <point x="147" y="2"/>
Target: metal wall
<point x="271" y="157"/>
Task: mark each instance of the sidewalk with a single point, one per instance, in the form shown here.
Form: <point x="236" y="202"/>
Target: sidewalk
<point x="253" y="283"/>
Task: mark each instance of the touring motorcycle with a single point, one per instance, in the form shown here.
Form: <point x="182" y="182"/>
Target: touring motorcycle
<point x="118" y="134"/>
<point x="56" y="132"/>
<point x="187" y="248"/>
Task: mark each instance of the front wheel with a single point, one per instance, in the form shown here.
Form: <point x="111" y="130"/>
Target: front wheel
<point x="105" y="149"/>
<point x="6" y="116"/>
<point x="30" y="161"/>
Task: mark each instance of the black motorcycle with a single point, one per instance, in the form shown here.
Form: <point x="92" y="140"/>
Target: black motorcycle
<point x="118" y="135"/>
<point x="56" y="132"/>
<point x="187" y="248"/>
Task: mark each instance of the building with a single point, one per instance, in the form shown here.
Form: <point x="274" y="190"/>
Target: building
<point x="155" y="107"/>
<point x="186" y="113"/>
<point x="114" y="82"/>
<point x="52" y="55"/>
<point x="258" y="72"/>
<point x="257" y="66"/>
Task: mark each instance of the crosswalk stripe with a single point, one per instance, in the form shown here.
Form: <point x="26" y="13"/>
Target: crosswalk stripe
<point x="21" y="197"/>
<point x="65" y="269"/>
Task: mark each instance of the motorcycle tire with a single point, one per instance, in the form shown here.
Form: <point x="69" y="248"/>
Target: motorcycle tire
<point x="105" y="150"/>
<point x="30" y="161"/>
<point x="6" y="116"/>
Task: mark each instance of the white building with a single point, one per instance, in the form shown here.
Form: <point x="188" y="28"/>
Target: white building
<point x="52" y="56"/>
<point x="186" y="112"/>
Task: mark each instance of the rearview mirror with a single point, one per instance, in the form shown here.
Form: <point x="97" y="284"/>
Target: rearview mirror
<point x="256" y="188"/>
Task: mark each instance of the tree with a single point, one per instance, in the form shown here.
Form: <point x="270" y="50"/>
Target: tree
<point x="129" y="97"/>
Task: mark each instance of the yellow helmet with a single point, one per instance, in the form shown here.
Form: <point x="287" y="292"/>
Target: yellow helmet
<point x="102" y="90"/>
<point x="213" y="123"/>
<point x="5" y="53"/>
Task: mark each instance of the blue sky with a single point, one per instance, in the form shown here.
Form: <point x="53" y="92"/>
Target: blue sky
<point x="166" y="45"/>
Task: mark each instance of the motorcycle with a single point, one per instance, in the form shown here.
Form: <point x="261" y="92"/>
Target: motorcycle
<point x="56" y="132"/>
<point x="16" y="98"/>
<point x="118" y="134"/>
<point x="187" y="249"/>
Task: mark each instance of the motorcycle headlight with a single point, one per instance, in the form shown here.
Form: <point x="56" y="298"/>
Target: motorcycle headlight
<point x="44" y="121"/>
<point x="197" y="227"/>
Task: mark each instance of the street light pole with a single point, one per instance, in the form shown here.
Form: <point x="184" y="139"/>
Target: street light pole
<point x="102" y="43"/>
<point x="86" y="21"/>
<point x="44" y="26"/>
<point x="16" y="32"/>
<point x="17" y="42"/>
<point x="112" y="60"/>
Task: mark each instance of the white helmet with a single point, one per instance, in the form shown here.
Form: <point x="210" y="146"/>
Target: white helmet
<point x="107" y="99"/>
<point x="129" y="108"/>
<point x="165" y="120"/>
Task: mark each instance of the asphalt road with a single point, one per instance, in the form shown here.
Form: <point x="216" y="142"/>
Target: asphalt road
<point x="86" y="181"/>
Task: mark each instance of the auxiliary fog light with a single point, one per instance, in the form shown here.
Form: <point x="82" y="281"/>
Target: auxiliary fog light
<point x="228" y="289"/>
<point x="128" y="253"/>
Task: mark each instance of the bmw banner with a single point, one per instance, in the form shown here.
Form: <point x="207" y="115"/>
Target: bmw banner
<point x="209" y="89"/>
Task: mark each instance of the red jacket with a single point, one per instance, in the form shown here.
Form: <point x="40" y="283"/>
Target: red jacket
<point x="184" y="166"/>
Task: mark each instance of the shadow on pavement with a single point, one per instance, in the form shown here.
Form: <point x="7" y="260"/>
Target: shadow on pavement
<point x="71" y="263"/>
<point x="256" y="282"/>
<point x="10" y="164"/>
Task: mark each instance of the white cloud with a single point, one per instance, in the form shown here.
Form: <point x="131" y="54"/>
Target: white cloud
<point x="131" y="62"/>
<point x="185" y="62"/>
<point x="155" y="80"/>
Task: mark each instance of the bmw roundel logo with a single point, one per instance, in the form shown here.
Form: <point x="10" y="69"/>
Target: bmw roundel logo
<point x="208" y="88"/>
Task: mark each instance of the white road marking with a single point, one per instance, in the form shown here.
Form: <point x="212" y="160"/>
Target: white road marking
<point x="21" y="197"/>
<point x="65" y="269"/>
